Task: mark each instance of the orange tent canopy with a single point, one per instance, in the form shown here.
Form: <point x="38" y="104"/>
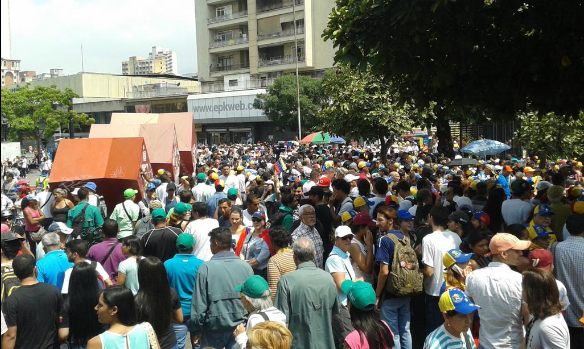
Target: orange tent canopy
<point x="114" y="164"/>
<point x="185" y="132"/>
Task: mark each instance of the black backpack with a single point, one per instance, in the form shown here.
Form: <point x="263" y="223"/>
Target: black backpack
<point x="277" y="218"/>
<point x="9" y="283"/>
<point x="78" y="222"/>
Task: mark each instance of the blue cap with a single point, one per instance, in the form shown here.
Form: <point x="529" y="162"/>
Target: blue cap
<point x="514" y="160"/>
<point x="541" y="231"/>
<point x="543" y="210"/>
<point x="404" y="214"/>
<point x="91" y="186"/>
<point x="389" y="179"/>
<point x="150" y="186"/>
<point x="455" y="256"/>
<point x="44" y="174"/>
<point x="455" y="299"/>
<point x="259" y="215"/>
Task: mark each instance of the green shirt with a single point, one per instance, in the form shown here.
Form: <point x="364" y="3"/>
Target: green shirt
<point x="93" y="217"/>
<point x="289" y="219"/>
<point x="308" y="297"/>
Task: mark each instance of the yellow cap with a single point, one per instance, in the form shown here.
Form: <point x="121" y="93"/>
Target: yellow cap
<point x="346" y="216"/>
<point x="214" y="176"/>
<point x="259" y="178"/>
<point x="240" y="168"/>
<point x="413" y="190"/>
<point x="161" y="172"/>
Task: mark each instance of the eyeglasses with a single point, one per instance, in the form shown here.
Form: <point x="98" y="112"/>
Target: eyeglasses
<point x="347" y="237"/>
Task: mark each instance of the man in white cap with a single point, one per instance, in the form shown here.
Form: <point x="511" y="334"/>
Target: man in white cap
<point x="497" y="288"/>
<point x="338" y="264"/>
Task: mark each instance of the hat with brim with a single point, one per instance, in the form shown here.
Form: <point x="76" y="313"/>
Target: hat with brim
<point x="128" y="193"/>
<point x="10" y="236"/>
<point x="454" y="256"/>
<point x="455" y="299"/>
<point x="363" y="218"/>
<point x="185" y="241"/>
<point x="255" y="286"/>
<point x="503" y="242"/>
<point x="181" y="208"/>
<point x="158" y="214"/>
<point x="343" y="231"/>
<point x="360" y="294"/>
<point x="360" y="202"/>
<point x="59" y="227"/>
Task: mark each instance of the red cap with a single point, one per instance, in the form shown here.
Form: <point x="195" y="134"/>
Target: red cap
<point x="324" y="182"/>
<point x="363" y="219"/>
<point x="541" y="259"/>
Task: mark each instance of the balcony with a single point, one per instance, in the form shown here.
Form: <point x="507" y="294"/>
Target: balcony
<point x="222" y="86"/>
<point x="159" y="90"/>
<point x="233" y="41"/>
<point x="271" y="61"/>
<point x="223" y="68"/>
<point x="228" y="17"/>
<point x="280" y="34"/>
<point x="281" y="5"/>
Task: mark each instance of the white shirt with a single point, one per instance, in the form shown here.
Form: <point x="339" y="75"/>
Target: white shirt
<point x="98" y="268"/>
<point x="497" y="289"/>
<point x="92" y="200"/>
<point x="563" y="295"/>
<point x="516" y="211"/>
<point x="200" y="229"/>
<point x="434" y="246"/>
<point x="6" y="202"/>
<point x="272" y="313"/>
<point x="161" y="192"/>
<point x="230" y="182"/>
<point x="549" y="333"/>
<point x="46" y="206"/>
<point x="199" y="191"/>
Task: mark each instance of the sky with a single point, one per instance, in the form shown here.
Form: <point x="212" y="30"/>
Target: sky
<point x="49" y="33"/>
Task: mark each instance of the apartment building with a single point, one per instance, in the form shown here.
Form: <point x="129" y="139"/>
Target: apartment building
<point x="239" y="40"/>
<point x="160" y="61"/>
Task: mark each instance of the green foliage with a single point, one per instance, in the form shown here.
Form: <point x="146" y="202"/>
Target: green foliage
<point x="37" y="113"/>
<point x="502" y="56"/>
<point x="362" y="105"/>
<point x="551" y="135"/>
<point x="280" y="106"/>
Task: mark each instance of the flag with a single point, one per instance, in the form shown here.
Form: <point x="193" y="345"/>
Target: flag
<point x="279" y="166"/>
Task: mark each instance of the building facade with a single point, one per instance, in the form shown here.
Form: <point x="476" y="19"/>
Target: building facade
<point x="10" y="71"/>
<point x="159" y="61"/>
<point x="243" y="45"/>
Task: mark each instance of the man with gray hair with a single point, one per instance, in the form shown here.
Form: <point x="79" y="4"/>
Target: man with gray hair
<point x="256" y="299"/>
<point x="51" y="269"/>
<point x="306" y="229"/>
<point x="308" y="298"/>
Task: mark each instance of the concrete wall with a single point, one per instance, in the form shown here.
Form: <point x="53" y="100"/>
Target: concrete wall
<point x="91" y="85"/>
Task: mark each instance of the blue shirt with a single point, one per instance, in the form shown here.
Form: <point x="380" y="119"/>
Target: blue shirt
<point x="339" y="262"/>
<point x="213" y="202"/>
<point x="181" y="271"/>
<point x="256" y="247"/>
<point x="51" y="269"/>
<point x="502" y="180"/>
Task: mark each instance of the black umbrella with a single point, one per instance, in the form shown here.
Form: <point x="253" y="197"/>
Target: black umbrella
<point x="462" y="162"/>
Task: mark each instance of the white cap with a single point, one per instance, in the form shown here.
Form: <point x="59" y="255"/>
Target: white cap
<point x="61" y="227"/>
<point x="75" y="191"/>
<point x="343" y="231"/>
<point x="350" y="177"/>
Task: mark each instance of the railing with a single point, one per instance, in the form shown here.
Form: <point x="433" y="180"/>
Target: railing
<point x="227" y="17"/>
<point x="280" y="34"/>
<point x="279" y="60"/>
<point x="283" y="4"/>
<point x="158" y="92"/>
<point x="241" y="85"/>
<point x="229" y="42"/>
<point x="216" y="68"/>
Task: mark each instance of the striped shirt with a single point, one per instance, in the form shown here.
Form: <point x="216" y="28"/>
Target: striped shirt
<point x="442" y="339"/>
<point x="280" y="264"/>
<point x="569" y="262"/>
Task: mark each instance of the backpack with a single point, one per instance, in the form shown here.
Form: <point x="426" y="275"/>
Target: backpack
<point x="102" y="207"/>
<point x="143" y="226"/>
<point x="405" y="278"/>
<point x="9" y="283"/>
<point x="276" y="219"/>
<point x="79" y="222"/>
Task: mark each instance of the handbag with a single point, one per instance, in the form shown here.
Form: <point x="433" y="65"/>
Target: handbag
<point x="37" y="236"/>
<point x="152" y="339"/>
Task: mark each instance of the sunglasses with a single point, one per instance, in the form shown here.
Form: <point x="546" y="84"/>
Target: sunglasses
<point x="256" y="220"/>
<point x="347" y="237"/>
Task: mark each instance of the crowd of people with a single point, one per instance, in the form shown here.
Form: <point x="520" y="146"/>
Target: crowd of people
<point x="300" y="246"/>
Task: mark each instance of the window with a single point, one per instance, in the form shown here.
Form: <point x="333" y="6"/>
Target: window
<point x="233" y="83"/>
<point x="223" y="11"/>
<point x="300" y="51"/>
<point x="224" y="36"/>
<point x="224" y="62"/>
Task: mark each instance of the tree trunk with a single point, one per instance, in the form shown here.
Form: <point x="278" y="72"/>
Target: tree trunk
<point x="445" y="144"/>
<point x="384" y="149"/>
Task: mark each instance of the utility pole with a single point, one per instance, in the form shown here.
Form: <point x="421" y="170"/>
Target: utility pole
<point x="297" y="79"/>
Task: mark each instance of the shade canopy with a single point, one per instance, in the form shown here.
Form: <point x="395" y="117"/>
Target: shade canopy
<point x="316" y="138"/>
<point x="485" y="147"/>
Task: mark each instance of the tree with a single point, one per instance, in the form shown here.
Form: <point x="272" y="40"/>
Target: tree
<point x="498" y="57"/>
<point x="37" y="113"/>
<point x="361" y="105"/>
<point x="503" y="56"/>
<point x="551" y="135"/>
<point x="280" y="106"/>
